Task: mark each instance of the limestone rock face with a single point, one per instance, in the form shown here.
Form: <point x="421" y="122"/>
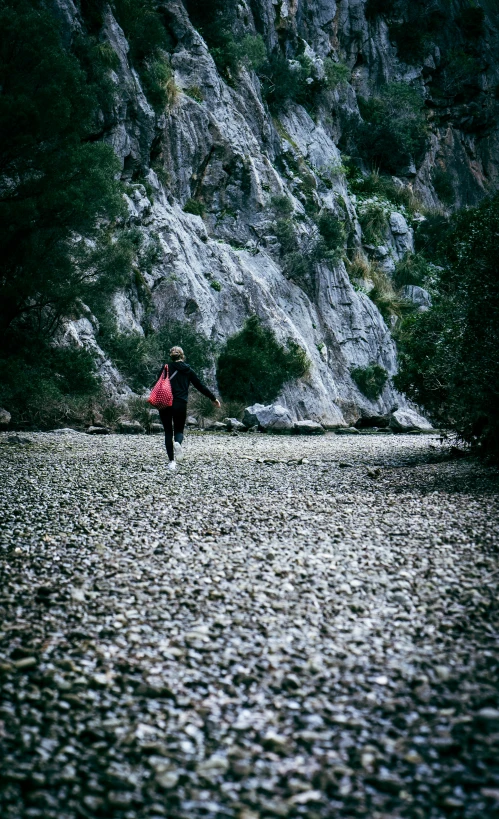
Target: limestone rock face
<point x="218" y="144"/>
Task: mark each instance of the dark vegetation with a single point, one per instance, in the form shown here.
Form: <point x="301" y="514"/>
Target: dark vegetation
<point x="370" y="380"/>
<point x="57" y="184"/>
<point x="393" y="132"/>
<point x="253" y="366"/>
<point x="149" y="39"/>
<point x="449" y="361"/>
<point x="139" y="357"/>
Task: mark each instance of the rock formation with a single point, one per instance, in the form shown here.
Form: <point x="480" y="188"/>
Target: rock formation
<point x="218" y="144"/>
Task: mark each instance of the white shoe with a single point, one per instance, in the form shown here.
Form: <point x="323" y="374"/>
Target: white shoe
<point x="179" y="452"/>
<point x="171" y="465"/>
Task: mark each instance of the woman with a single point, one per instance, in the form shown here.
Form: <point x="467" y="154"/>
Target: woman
<point x="173" y="418"/>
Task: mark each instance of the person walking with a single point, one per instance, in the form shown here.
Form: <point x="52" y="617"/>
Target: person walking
<point x="173" y="418"/>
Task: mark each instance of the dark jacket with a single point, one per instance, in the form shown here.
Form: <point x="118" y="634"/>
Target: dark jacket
<point x="184" y="377"/>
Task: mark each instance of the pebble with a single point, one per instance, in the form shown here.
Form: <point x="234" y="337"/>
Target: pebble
<point x="264" y="633"/>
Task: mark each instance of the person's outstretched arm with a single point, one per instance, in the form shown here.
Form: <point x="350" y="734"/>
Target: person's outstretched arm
<point x="196" y="382"/>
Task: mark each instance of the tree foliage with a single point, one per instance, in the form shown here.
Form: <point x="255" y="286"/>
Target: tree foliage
<point x="449" y="360"/>
<point x="370" y="380"/>
<point x="58" y="188"/>
<point x="253" y="366"/>
<point x="139" y="357"/>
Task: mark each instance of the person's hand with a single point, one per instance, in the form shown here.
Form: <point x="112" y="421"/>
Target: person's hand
<point x="217" y="403"/>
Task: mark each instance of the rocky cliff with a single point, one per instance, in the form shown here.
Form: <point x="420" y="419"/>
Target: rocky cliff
<point x="218" y="144"/>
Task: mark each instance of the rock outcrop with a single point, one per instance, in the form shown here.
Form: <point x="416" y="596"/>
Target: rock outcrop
<point x="218" y="144"/>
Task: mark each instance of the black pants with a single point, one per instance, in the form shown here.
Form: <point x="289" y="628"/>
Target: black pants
<point x="173" y="420"/>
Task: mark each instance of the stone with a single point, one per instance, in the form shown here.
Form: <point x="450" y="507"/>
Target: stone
<point x="405" y="420"/>
<point x="234" y="425"/>
<point x="347" y="431"/>
<point x="418" y="296"/>
<point x="215" y="426"/>
<point x="155" y="427"/>
<point x="131" y="427"/>
<point x="98" y="431"/>
<point x="307" y="427"/>
<point x="191" y="421"/>
<point x="271" y="418"/>
<point x="5" y="418"/>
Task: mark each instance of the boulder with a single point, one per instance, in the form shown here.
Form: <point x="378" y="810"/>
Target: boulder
<point x="215" y="426"/>
<point x="272" y="418"/>
<point x="98" y="431"/>
<point x="404" y="420"/>
<point x="308" y="427"/>
<point x="156" y="427"/>
<point x="5" y="418"/>
<point x="191" y="421"/>
<point x="347" y="431"/>
<point x="131" y="427"/>
<point x="234" y="425"/>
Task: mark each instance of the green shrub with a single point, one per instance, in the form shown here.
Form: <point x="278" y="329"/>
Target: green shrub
<point x="376" y="184"/>
<point x="158" y="82"/>
<point x="201" y="407"/>
<point x="195" y="207"/>
<point x="233" y="409"/>
<point x="359" y="268"/>
<point x="335" y="74"/>
<point x="283" y="81"/>
<point x="370" y="380"/>
<point x="149" y="41"/>
<point x="252" y="52"/>
<point x="286" y="236"/>
<point x="44" y="386"/>
<point x="413" y="269"/>
<point x="442" y="184"/>
<point x="332" y="231"/>
<point x="394" y="130"/>
<point x="195" y="92"/>
<point x="384" y="296"/>
<point x="430" y="233"/>
<point x="253" y="366"/>
<point x="448" y="355"/>
<point x="374" y="222"/>
<point x="458" y="77"/>
<point x="299" y="267"/>
<point x="281" y="205"/>
<point x="216" y="285"/>
<point x="140" y="410"/>
<point x="139" y="357"/>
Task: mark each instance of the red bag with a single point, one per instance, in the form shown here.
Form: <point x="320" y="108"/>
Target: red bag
<point x="161" y="394"/>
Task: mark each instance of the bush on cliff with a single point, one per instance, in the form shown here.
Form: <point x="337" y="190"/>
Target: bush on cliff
<point x="253" y="366"/>
<point x="449" y="362"/>
<point x="394" y="130"/>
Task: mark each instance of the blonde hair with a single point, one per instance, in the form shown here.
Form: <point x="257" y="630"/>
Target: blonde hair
<point x="177" y="354"/>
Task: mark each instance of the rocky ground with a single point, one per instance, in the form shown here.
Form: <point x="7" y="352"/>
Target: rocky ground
<point x="286" y="627"/>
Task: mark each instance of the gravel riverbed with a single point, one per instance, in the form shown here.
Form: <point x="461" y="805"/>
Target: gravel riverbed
<point x="286" y="627"/>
